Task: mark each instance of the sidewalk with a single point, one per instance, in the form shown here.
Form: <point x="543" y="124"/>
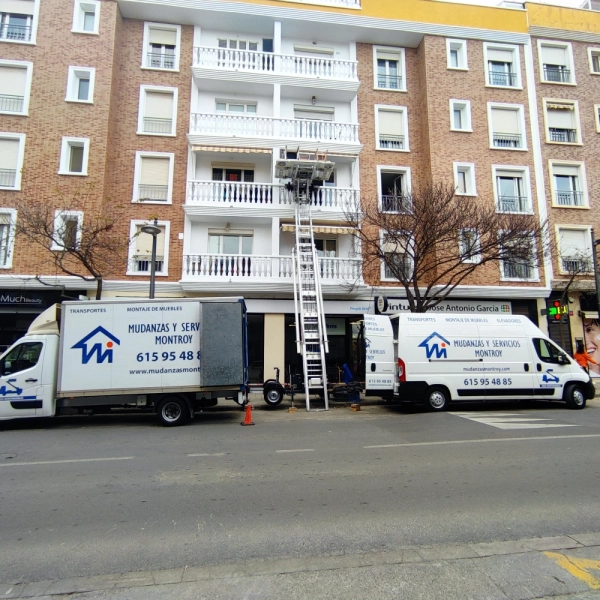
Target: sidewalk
<point x="551" y="567"/>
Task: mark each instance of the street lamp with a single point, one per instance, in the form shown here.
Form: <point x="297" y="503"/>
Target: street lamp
<point x="152" y="230"/>
<point x="595" y="243"/>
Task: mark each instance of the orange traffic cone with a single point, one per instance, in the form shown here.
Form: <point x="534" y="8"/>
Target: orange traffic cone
<point x="248" y="416"/>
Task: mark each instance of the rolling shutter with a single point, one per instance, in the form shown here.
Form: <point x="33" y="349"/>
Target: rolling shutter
<point x="390" y="122"/>
<point x="9" y="153"/>
<point x="159" y="105"/>
<point x="143" y="243"/>
<point x="166" y="37"/>
<point x="13" y="80"/>
<point x="154" y="171"/>
<point x="505" y="121"/>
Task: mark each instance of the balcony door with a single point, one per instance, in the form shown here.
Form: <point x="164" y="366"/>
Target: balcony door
<point x="234" y="249"/>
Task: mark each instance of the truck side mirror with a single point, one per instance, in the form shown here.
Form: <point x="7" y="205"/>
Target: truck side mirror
<point x="563" y="360"/>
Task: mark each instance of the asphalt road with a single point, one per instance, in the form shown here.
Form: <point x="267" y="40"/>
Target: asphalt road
<point x="93" y="495"/>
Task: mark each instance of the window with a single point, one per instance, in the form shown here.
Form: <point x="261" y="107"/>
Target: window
<point x="74" y="156"/>
<point x="232" y="173"/>
<point x="153" y="178"/>
<point x="507" y="126"/>
<point x="394" y="189"/>
<point x="140" y="251"/>
<point x="503" y="67"/>
<point x="512" y="189"/>
<point x="157" y="114"/>
<point x="594" y="58"/>
<point x="389" y="68"/>
<point x="464" y="179"/>
<point x="8" y="218"/>
<point x="519" y="263"/>
<point x="16" y="20"/>
<point x="21" y="357"/>
<point x="391" y="128"/>
<point x="67" y="229"/>
<point x="12" y="149"/>
<point x="86" y="16"/>
<point x="233" y="106"/>
<point x="397" y="261"/>
<point x="230" y="242"/>
<point x="326" y="248"/>
<point x="556" y="62"/>
<point x="161" y="46"/>
<point x="80" y="84"/>
<point x="238" y="44"/>
<point x="15" y="77"/>
<point x="460" y="115"/>
<point x="469" y="245"/>
<point x="562" y="122"/>
<point x="456" y="54"/>
<point x="575" y="250"/>
<point x="568" y="184"/>
<point x="597" y="116"/>
<point x="547" y="351"/>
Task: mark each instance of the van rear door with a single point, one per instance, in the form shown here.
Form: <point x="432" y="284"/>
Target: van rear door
<point x="380" y="359"/>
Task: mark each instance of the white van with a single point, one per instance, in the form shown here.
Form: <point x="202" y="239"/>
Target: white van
<point x="439" y="358"/>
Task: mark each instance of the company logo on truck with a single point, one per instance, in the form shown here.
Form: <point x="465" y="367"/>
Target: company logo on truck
<point x="435" y="345"/>
<point x="101" y="347"/>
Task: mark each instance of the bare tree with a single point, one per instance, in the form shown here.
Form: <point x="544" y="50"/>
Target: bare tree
<point x="431" y="241"/>
<point x="81" y="238"/>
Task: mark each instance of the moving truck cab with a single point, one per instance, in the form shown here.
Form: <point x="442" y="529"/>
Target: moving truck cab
<point x="439" y="358"/>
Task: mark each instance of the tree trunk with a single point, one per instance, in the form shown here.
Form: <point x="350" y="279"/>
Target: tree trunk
<point x="98" y="288"/>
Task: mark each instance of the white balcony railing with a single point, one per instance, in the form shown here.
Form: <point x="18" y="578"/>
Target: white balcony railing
<point x="280" y="64"/>
<point x="266" y="194"/>
<point x="246" y="267"/>
<point x="272" y="127"/>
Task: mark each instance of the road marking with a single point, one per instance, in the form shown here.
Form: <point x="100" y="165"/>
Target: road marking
<point x="210" y="454"/>
<point x="298" y="450"/>
<point x="485" y="441"/>
<point x="62" y="462"/>
<point x="578" y="567"/>
<point x="506" y="421"/>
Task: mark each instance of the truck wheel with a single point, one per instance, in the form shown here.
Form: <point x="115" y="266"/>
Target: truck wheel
<point x="273" y="396"/>
<point x="574" y="396"/>
<point x="173" y="411"/>
<point x="437" y="399"/>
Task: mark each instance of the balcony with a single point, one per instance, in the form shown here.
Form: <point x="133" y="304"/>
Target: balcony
<point x="266" y="194"/>
<point x="15" y="33"/>
<point x="395" y="203"/>
<point x="10" y="103"/>
<point x="389" y="82"/>
<point x="238" y="267"/>
<point x="153" y="125"/>
<point x="8" y="178"/>
<point x="141" y="264"/>
<point x="557" y="74"/>
<point x="577" y="265"/>
<point x="160" y="61"/>
<point x="267" y="132"/>
<point x="514" y="204"/>
<point x="391" y="142"/>
<point x="569" y="198"/>
<point x="518" y="270"/>
<point x="502" y="79"/>
<point x="153" y="193"/>
<point x="506" y="140"/>
<point x="568" y="136"/>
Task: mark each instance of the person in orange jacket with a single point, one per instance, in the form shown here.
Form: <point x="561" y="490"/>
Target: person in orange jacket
<point x="581" y="356"/>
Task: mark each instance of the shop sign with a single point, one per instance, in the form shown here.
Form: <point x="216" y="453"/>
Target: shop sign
<point x="11" y="298"/>
<point x="388" y="306"/>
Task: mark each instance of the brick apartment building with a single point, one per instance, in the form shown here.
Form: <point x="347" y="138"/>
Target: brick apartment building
<point x="179" y="111"/>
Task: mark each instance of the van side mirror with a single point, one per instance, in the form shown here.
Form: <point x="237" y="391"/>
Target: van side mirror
<point x="563" y="359"/>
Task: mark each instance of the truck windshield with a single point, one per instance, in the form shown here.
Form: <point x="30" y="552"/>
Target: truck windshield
<point x="21" y="357"/>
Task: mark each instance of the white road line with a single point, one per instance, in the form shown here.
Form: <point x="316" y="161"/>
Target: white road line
<point x="298" y="450"/>
<point x="511" y="421"/>
<point x="487" y="440"/>
<point x="209" y="454"/>
<point x="62" y="462"/>
<point x="507" y="426"/>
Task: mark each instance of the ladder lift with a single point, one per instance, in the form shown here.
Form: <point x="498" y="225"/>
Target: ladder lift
<point x="311" y="332"/>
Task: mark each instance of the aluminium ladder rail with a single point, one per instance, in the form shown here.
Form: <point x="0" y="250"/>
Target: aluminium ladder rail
<point x="311" y="332"/>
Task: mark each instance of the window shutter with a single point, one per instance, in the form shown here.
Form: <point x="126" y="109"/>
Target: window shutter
<point x="9" y="153"/>
<point x="505" y="121"/>
<point x="13" y="79"/>
<point x="388" y="56"/>
<point x="159" y="105"/>
<point x="500" y="55"/>
<point x="4" y="219"/>
<point x="313" y="115"/>
<point x="392" y="246"/>
<point x="573" y="241"/>
<point x="391" y="122"/>
<point x="17" y="7"/>
<point x="143" y="243"/>
<point x="554" y="56"/>
<point x="167" y="37"/>
<point x="567" y="170"/>
<point x="154" y="171"/>
<point x="561" y="118"/>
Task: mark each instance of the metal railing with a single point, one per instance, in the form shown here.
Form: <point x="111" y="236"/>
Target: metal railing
<point x="141" y="264"/>
<point x="563" y="135"/>
<point x="556" y="74"/>
<point x="154" y="125"/>
<point x="21" y="33"/>
<point x="395" y="203"/>
<point x="502" y="79"/>
<point x="514" y="204"/>
<point x="518" y="270"/>
<point x="569" y="198"/>
<point x="271" y="127"/>
<point x="10" y="103"/>
<point x="8" y="177"/>
<point x="577" y="265"/>
<point x="506" y="140"/>
<point x="153" y="193"/>
<point x="391" y="142"/>
<point x="389" y="82"/>
<point x="160" y="61"/>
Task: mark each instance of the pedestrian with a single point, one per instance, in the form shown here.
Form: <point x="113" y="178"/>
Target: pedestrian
<point x="581" y="356"/>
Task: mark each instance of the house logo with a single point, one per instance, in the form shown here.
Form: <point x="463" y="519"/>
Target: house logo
<point x="102" y="346"/>
<point x="435" y="345"/>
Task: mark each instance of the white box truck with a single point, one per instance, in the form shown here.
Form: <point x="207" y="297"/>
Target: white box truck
<point x="436" y="359"/>
<point x="171" y="356"/>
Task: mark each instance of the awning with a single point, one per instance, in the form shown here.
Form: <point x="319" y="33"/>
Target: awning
<point x="322" y="229"/>
<point x="233" y="149"/>
<point x="560" y="106"/>
<point x="588" y="314"/>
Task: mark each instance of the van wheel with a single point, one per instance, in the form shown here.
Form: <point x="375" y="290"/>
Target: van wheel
<point x="574" y="396"/>
<point x="437" y="399"/>
<point x="273" y="396"/>
<point x="173" y="411"/>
